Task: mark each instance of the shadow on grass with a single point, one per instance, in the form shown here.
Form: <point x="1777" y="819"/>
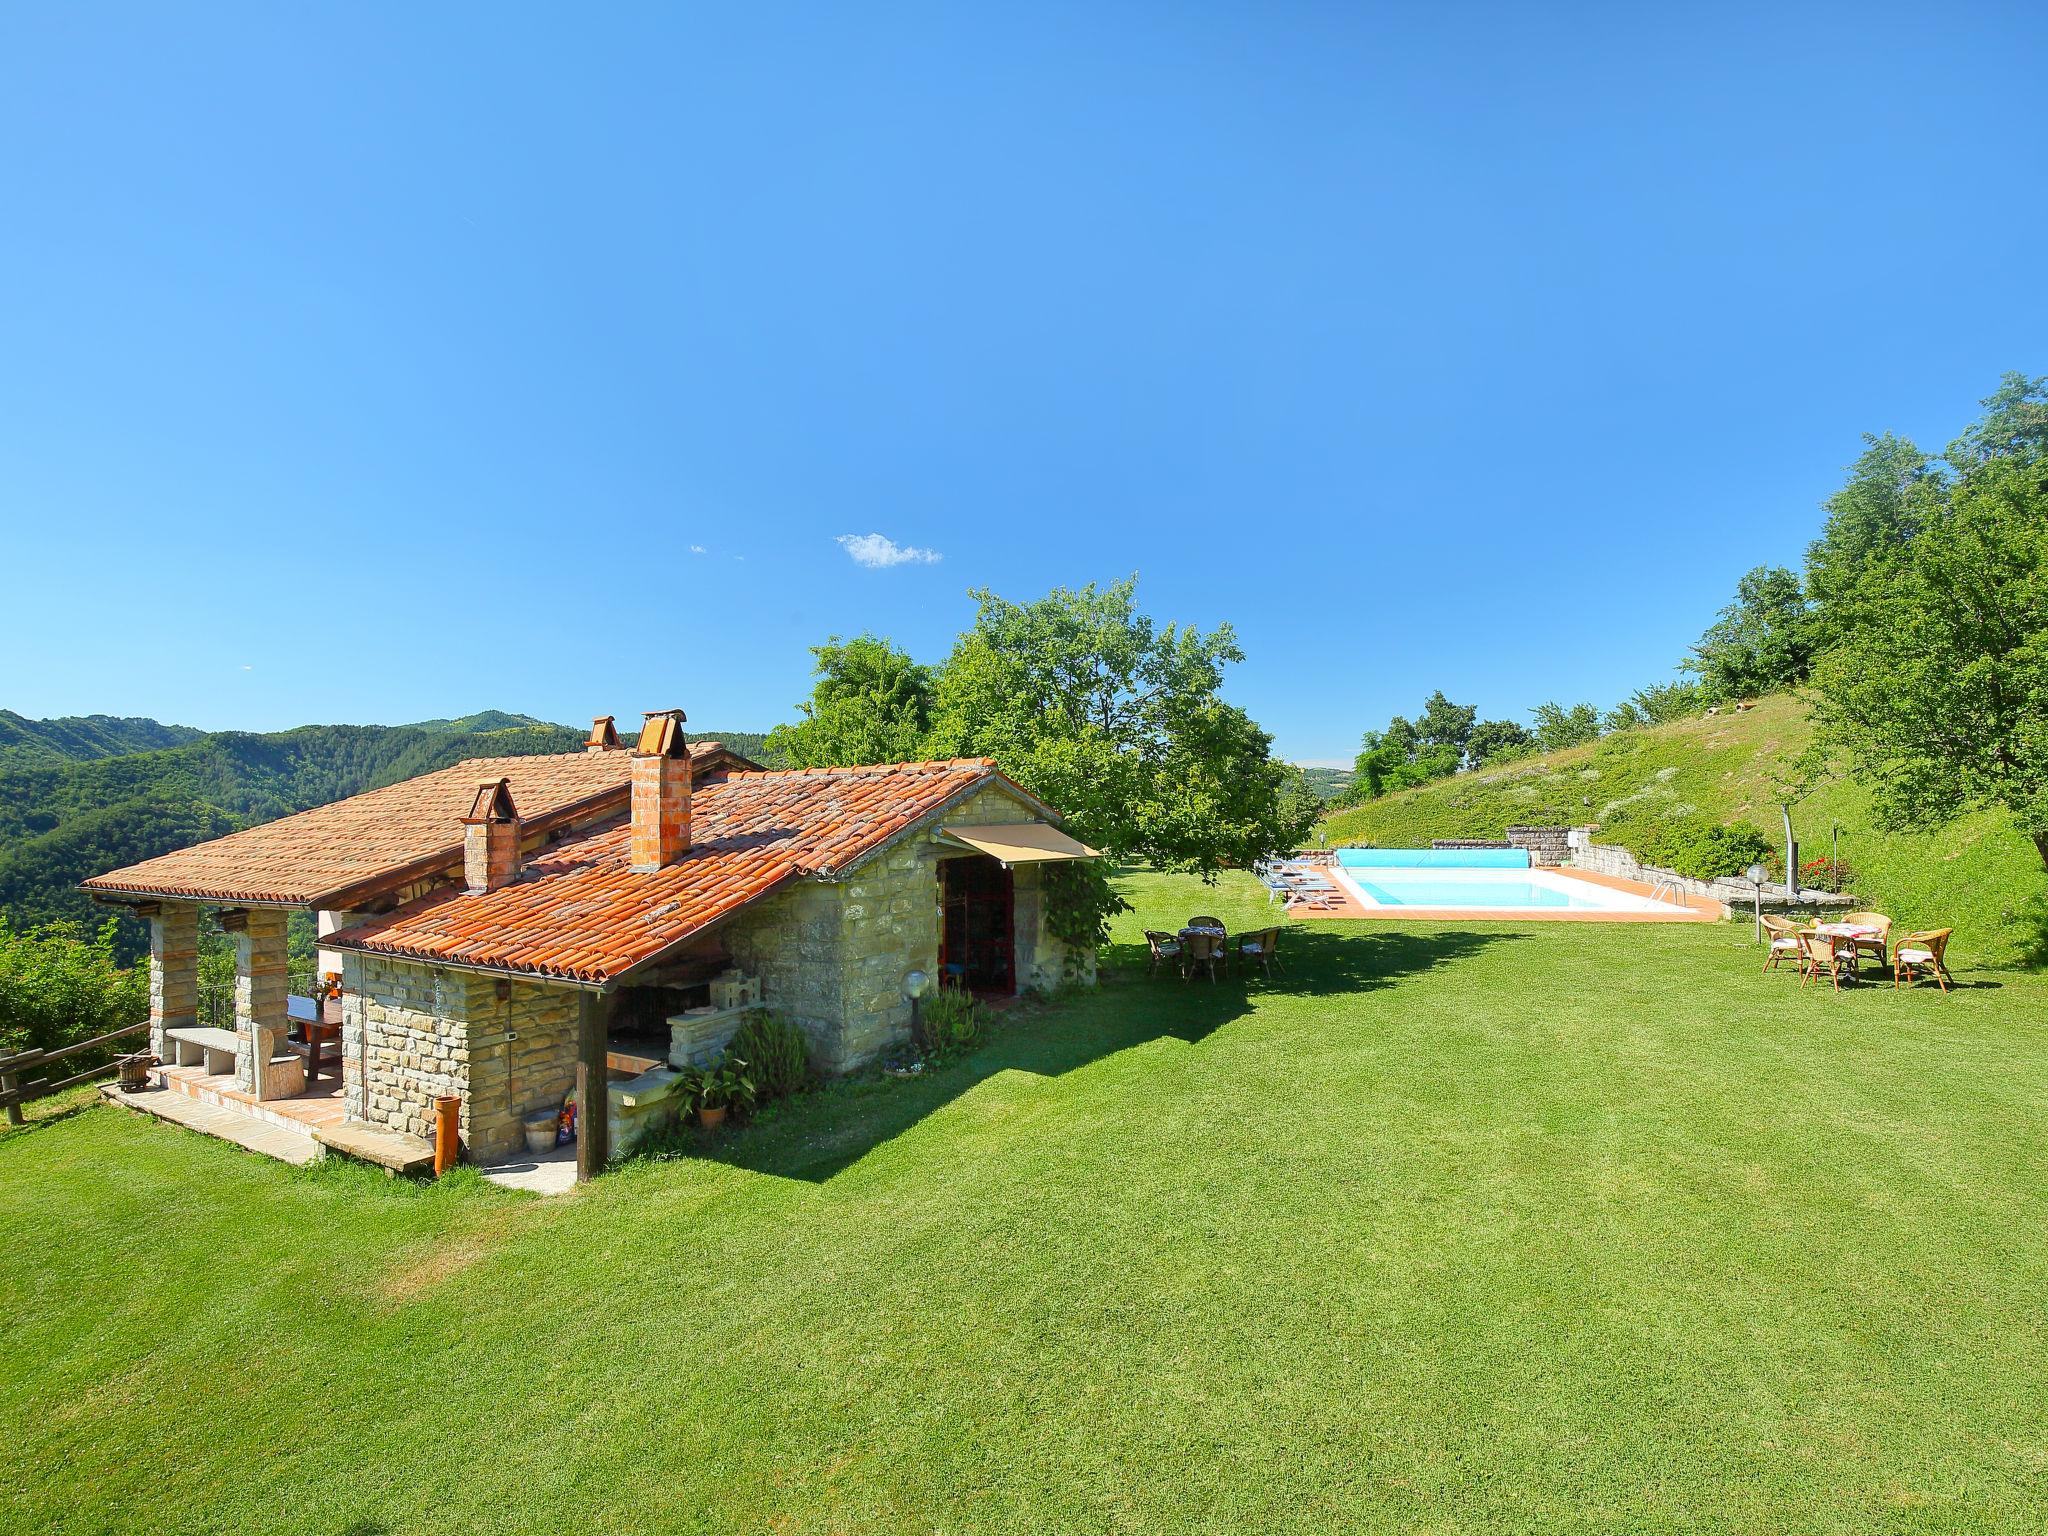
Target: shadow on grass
<point x="816" y="1136"/>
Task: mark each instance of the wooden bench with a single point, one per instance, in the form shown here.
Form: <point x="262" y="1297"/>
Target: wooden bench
<point x="213" y="1049"/>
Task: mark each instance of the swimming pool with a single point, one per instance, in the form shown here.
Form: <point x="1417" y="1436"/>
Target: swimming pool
<point x="1474" y="880"/>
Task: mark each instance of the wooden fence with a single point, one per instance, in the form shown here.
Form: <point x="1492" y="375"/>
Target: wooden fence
<point x="17" y="1087"/>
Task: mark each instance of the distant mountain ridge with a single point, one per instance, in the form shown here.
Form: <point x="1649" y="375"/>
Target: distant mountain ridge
<point x="85" y="794"/>
<point x="77" y="738"/>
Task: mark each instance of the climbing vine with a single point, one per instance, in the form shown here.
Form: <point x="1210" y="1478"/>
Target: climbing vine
<point x="1079" y="902"/>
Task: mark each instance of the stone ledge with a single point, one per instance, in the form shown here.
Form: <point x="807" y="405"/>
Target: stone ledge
<point x="387" y="1149"/>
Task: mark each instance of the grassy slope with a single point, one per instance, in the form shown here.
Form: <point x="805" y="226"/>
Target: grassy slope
<point x="1977" y="875"/>
<point x="1431" y="1234"/>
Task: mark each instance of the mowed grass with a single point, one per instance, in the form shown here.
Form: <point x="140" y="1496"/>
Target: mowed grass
<point x="1565" y="1227"/>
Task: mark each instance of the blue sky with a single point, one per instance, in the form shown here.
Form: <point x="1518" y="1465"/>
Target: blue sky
<point x="373" y="362"/>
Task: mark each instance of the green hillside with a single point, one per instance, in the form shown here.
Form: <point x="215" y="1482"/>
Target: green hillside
<point x="1977" y="874"/>
<point x="76" y="738"/>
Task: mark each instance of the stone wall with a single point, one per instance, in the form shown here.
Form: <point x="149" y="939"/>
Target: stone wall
<point x="831" y="955"/>
<point x="1739" y="896"/>
<point x="1469" y="842"/>
<point x="411" y="1033"/>
<point x="1546" y="845"/>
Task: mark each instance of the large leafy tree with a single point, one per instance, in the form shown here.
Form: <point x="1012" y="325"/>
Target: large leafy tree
<point x="870" y="703"/>
<point x="1444" y="724"/>
<point x="1120" y="722"/>
<point x="1939" y="688"/>
<point x="1893" y="491"/>
<point x="1763" y="642"/>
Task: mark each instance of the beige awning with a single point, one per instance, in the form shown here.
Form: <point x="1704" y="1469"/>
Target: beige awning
<point x="1023" y="842"/>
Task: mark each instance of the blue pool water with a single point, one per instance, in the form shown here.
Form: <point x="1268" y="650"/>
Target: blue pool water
<point x="1503" y="894"/>
<point x="1433" y="858"/>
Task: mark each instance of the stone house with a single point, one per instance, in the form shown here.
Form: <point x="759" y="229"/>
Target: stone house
<point x="509" y="931"/>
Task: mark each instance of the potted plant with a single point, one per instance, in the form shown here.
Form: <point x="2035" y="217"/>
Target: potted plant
<point x="716" y="1091"/>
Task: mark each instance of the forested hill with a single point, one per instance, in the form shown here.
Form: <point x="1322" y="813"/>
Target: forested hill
<point x="74" y="802"/>
<point x="76" y="738"/>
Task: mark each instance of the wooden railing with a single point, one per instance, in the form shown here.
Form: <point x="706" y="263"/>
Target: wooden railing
<point x="17" y="1088"/>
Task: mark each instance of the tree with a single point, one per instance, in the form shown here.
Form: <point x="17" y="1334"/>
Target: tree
<point x="1119" y="722"/>
<point x="870" y="704"/>
<point x="1444" y="724"/>
<point x="1496" y="741"/>
<point x="1893" y="491"/>
<point x="2014" y="425"/>
<point x="1558" y="727"/>
<point x="1762" y="643"/>
<point x="1939" y="689"/>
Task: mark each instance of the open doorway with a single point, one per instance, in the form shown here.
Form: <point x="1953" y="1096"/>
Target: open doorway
<point x="978" y="938"/>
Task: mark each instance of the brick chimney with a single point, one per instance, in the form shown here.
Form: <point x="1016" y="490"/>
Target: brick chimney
<point x="661" y="792"/>
<point x="604" y="736"/>
<point x="490" y="838"/>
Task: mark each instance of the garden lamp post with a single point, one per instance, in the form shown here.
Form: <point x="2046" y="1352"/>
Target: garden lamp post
<point x="915" y="985"/>
<point x="1756" y="879"/>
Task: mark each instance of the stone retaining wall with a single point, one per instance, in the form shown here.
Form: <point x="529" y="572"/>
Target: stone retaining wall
<point x="1546" y="845"/>
<point x="1737" y="895"/>
<point x="1468" y="842"/>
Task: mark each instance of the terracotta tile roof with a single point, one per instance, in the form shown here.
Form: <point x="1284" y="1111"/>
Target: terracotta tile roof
<point x="579" y="912"/>
<point x="380" y="839"/>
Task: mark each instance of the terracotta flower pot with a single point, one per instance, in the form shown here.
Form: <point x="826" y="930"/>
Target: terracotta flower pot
<point x="711" y="1118"/>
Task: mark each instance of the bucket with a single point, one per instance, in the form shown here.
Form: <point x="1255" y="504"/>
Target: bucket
<point x="540" y="1132"/>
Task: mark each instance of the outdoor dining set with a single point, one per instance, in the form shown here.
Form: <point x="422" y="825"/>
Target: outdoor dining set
<point x="1838" y="949"/>
<point x="1204" y="944"/>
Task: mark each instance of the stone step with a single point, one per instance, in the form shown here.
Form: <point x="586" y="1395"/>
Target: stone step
<point x="387" y="1149"/>
<point x="207" y="1094"/>
<point x="283" y="1141"/>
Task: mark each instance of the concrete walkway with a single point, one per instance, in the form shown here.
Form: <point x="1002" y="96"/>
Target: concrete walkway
<point x="552" y="1172"/>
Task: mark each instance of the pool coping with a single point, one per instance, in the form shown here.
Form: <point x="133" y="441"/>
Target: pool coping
<point x="1685" y="908"/>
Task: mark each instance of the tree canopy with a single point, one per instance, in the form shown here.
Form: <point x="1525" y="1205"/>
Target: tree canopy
<point x="1120" y="723"/>
<point x="1939" y="687"/>
<point x="1762" y="643"/>
<point x="870" y="704"/>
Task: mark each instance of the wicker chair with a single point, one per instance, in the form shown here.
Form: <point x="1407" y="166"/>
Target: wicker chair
<point x="1824" y="952"/>
<point x="1877" y="942"/>
<point x="1204" y="950"/>
<point x="1921" y="954"/>
<point x="1263" y="946"/>
<point x="1166" y="949"/>
<point x="1784" y="943"/>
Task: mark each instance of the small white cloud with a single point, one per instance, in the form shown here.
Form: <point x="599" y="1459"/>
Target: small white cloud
<point x="247" y="668"/>
<point x="699" y="549"/>
<point x="878" y="553"/>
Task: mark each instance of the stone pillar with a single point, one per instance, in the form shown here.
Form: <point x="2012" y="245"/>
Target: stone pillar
<point x="261" y="985"/>
<point x="173" y="975"/>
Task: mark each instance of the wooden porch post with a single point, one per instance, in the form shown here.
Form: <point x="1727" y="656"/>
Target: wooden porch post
<point x="593" y="1090"/>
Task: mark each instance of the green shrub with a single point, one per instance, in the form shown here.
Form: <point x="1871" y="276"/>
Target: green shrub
<point x="57" y="986"/>
<point x="1694" y="845"/>
<point x="947" y="1021"/>
<point x="777" y="1054"/>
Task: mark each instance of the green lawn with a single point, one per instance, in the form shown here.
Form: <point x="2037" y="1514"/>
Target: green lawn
<point x="1566" y="1227"/>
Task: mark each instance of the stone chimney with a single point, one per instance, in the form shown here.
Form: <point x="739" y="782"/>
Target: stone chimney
<point x="604" y="736"/>
<point x="661" y="792"/>
<point x="490" y="838"/>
